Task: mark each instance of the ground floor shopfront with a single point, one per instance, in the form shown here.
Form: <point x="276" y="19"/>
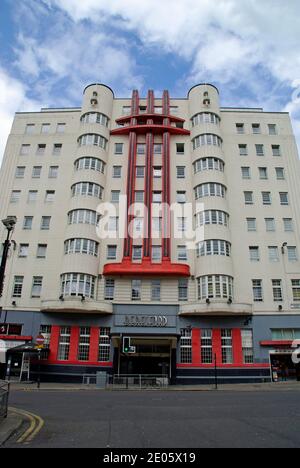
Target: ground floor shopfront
<point x="187" y="350"/>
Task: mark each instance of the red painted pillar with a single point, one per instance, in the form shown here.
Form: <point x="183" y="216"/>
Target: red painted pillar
<point x="217" y="346"/>
<point x="196" y="346"/>
<point x="94" y="344"/>
<point x="54" y="342"/>
<point x="74" y="341"/>
<point x="238" y="359"/>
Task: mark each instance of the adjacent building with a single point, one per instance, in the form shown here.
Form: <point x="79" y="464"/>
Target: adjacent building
<point x="87" y="270"/>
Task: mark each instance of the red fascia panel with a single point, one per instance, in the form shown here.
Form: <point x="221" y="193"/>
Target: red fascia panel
<point x="276" y="343"/>
<point x="146" y="268"/>
<point x="15" y="338"/>
<point x="159" y="117"/>
<point x="156" y="129"/>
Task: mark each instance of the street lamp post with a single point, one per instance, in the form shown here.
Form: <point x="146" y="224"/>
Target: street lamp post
<point x="9" y="223"/>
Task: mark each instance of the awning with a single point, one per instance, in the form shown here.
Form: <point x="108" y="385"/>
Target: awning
<point x="6" y="345"/>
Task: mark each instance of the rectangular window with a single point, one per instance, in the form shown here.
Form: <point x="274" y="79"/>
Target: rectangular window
<point x="53" y="172"/>
<point x="284" y="198"/>
<point x="292" y="254"/>
<point x="119" y="148"/>
<point x="45" y="128"/>
<point x="243" y="149"/>
<point x="276" y="150"/>
<point x="180" y="172"/>
<point x="277" y="290"/>
<point x="45" y="330"/>
<point x="288" y="224"/>
<point x="246" y="173"/>
<point x="180" y="148"/>
<point x="20" y="172"/>
<point x="186" y="346"/>
<point x="136" y="286"/>
<point x="254" y="254"/>
<point x="27" y="223"/>
<point x="248" y="198"/>
<point x="104" y="345"/>
<point x="141" y="148"/>
<point x="115" y="196"/>
<point x="260" y="150"/>
<point x="270" y="224"/>
<point x="256" y="129"/>
<point x="263" y="173"/>
<point x="23" y="250"/>
<point x="15" y="196"/>
<point x="272" y="129"/>
<point x="36" y="172"/>
<point x="296" y="290"/>
<point x="50" y="195"/>
<point x="280" y="173"/>
<point x="57" y="147"/>
<point x="45" y="223"/>
<point x="41" y="251"/>
<point x="32" y="196"/>
<point x="157" y="197"/>
<point x="251" y="224"/>
<point x="156" y="227"/>
<point x="111" y="252"/>
<point x="257" y="290"/>
<point x="117" y="172"/>
<point x="140" y="172"/>
<point x="240" y="128"/>
<point x="84" y="344"/>
<point x="64" y="344"/>
<point x="183" y="289"/>
<point x="25" y="149"/>
<point x="155" y="290"/>
<point x="181" y="224"/>
<point x="41" y="148"/>
<point x="137" y="252"/>
<point x="37" y="286"/>
<point x="18" y="286"/>
<point x="113" y="224"/>
<point x="247" y="346"/>
<point x="157" y="172"/>
<point x="227" y="354"/>
<point x="139" y="196"/>
<point x="266" y="198"/>
<point x="109" y="290"/>
<point x="273" y="254"/>
<point x="206" y="347"/>
<point x="156" y="253"/>
<point x="181" y="253"/>
<point x="181" y="197"/>
<point x="29" y="130"/>
<point x="61" y="128"/>
<point x="157" y="148"/>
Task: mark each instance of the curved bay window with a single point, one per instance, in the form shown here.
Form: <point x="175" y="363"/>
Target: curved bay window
<point x="93" y="164"/>
<point x="215" y="287"/>
<point x="78" y="284"/>
<point x="208" y="164"/>
<point x="214" y="217"/>
<point x="205" y="117"/>
<point x="213" y="247"/>
<point x="207" y="139"/>
<point x="83" y="217"/>
<point x="87" y="189"/>
<point x="81" y="246"/>
<point x="92" y="139"/>
<point x="95" y="118"/>
<point x="210" y="190"/>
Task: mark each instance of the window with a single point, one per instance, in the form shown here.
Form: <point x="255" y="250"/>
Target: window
<point x="248" y="198"/>
<point x="207" y="140"/>
<point x="57" y="147"/>
<point x="53" y="172"/>
<point x="141" y="148"/>
<point x="109" y="290"/>
<point x="37" y="286"/>
<point x="29" y="130"/>
<point x="81" y="246"/>
<point x="20" y="172"/>
<point x="41" y="251"/>
<point x="113" y="224"/>
<point x="296" y="290"/>
<point x="251" y="224"/>
<point x="61" y="128"/>
<point x="138" y="225"/>
<point x="157" y="197"/>
<point x="136" y="286"/>
<point x="226" y="340"/>
<point x="260" y="150"/>
<point x="32" y="196"/>
<point x="83" y="217"/>
<point x="119" y="148"/>
<point x="117" y="172"/>
<point x="155" y="290"/>
<point x="156" y="253"/>
<point x="208" y="164"/>
<point x="115" y="196"/>
<point x="246" y="173"/>
<point x="89" y="163"/>
<point x="247" y="346"/>
<point x="181" y="253"/>
<point x="137" y="252"/>
<point x="286" y="334"/>
<point x="25" y="149"/>
<point x="36" y="172"/>
<point x="272" y="129"/>
<point x="256" y="129"/>
<point x="270" y="224"/>
<point x="206" y="347"/>
<point x="213" y="247"/>
<point x="186" y="346"/>
<point x="204" y="118"/>
<point x="243" y="149"/>
<point x="140" y="172"/>
<point x="139" y="196"/>
<point x="15" y="196"/>
<point x="276" y="150"/>
<point x="210" y="190"/>
<point x="104" y="345"/>
<point x="50" y="195"/>
<point x="18" y="286"/>
<point x="280" y="173"/>
<point x="27" y="223"/>
<point x="257" y="290"/>
<point x="84" y="343"/>
<point x="45" y="128"/>
<point x="78" y="284"/>
<point x="263" y="173"/>
<point x="181" y="224"/>
<point x="183" y="289"/>
<point x="215" y="217"/>
<point x="23" y="250"/>
<point x="95" y="118"/>
<point x="266" y="198"/>
<point x="157" y="172"/>
<point x="92" y="140"/>
<point x="156" y="226"/>
<point x="240" y="128"/>
<point x="45" y="330"/>
<point x="87" y="189"/>
<point x="254" y="254"/>
<point x="215" y="287"/>
<point x="180" y="148"/>
<point x="288" y="224"/>
<point x="41" y="148"/>
<point x="181" y="197"/>
<point x="277" y="290"/>
<point x="292" y="254"/>
<point x="126" y="110"/>
<point x="64" y="344"/>
<point x="45" y="223"/>
<point x="180" y="172"/>
<point x="273" y="254"/>
<point x="284" y="198"/>
<point x="111" y="252"/>
<point x="157" y="148"/>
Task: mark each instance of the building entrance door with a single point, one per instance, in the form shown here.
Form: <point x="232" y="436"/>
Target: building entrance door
<point x="283" y="368"/>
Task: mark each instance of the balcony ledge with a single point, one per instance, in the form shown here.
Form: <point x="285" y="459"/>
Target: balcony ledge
<point x="76" y="305"/>
<point x="216" y="308"/>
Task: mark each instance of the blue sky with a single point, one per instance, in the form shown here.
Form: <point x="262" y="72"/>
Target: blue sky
<point x="50" y="49"/>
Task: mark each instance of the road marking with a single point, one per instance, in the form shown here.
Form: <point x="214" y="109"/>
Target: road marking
<point x="36" y="424"/>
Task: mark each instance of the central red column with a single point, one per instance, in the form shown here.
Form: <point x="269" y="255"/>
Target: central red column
<point x="166" y="196"/>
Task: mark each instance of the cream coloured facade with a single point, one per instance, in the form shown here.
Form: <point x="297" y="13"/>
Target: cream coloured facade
<point x="230" y="297"/>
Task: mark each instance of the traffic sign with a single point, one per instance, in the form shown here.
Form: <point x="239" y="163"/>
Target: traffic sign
<point x="40" y="340"/>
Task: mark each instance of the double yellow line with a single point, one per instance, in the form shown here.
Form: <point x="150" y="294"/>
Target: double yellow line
<point x="35" y="425"/>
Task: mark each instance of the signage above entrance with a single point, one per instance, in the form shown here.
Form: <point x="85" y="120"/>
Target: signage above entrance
<point x="151" y="321"/>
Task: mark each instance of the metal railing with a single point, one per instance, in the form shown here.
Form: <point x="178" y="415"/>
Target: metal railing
<point x="4" y="394"/>
<point x="138" y="382"/>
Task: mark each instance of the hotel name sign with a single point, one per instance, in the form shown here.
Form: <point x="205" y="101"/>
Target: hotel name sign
<point x="158" y="321"/>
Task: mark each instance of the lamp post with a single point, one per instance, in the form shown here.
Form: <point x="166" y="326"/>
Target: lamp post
<point x="9" y="223"/>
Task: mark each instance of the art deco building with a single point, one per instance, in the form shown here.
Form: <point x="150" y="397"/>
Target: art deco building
<point x="232" y="297"/>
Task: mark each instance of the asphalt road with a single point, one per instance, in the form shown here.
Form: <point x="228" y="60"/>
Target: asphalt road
<point x="154" y="419"/>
